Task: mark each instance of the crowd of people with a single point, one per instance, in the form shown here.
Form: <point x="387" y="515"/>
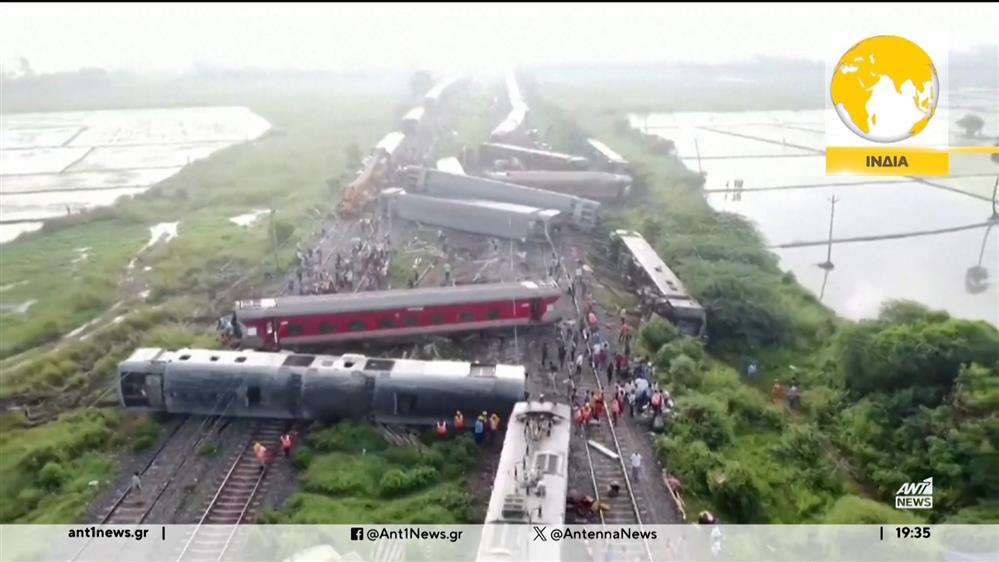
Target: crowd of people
<point x="366" y="267"/>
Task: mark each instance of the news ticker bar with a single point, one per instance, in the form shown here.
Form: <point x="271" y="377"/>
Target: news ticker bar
<point x="896" y="160"/>
<point x="471" y="543"/>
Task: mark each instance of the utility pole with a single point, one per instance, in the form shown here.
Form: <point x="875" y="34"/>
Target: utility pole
<point x="995" y="212"/>
<point x="828" y="264"/>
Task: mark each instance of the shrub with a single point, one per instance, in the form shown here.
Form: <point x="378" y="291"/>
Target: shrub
<point x="704" y="418"/>
<point x="348" y="437"/>
<point x="303" y="458"/>
<point x="854" y="510"/>
<point x="753" y="409"/>
<point x="691" y="460"/>
<point x="396" y="482"/>
<point x="657" y="333"/>
<point x="683" y="371"/>
<point x="52" y="475"/>
<point x="734" y="490"/>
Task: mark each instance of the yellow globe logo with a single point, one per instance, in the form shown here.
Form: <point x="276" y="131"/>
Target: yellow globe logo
<point x="885" y="88"/>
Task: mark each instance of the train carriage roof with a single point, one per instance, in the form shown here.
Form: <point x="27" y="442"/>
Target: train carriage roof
<point x="668" y="284"/>
<point x="393" y="299"/>
<point x="548" y="455"/>
<point x="607" y="152"/>
<point x="538" y="152"/>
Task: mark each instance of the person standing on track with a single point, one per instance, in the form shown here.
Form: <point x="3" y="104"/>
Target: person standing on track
<point x="579" y="364"/>
<point x="136" y="485"/>
<point x="561" y="354"/>
<point x="459" y="421"/>
<point x="544" y="355"/>
<point x="636" y="465"/>
<point x="261" y="453"/>
<point x="286" y="445"/>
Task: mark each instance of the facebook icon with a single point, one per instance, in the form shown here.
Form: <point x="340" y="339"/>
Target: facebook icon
<point x="357" y="533"/>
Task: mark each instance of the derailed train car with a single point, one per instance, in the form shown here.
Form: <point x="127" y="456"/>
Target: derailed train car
<point x="530" y="484"/>
<point x="314" y="387"/>
<point x="532" y="158"/>
<point x="599" y="186"/>
<point x="488" y="218"/>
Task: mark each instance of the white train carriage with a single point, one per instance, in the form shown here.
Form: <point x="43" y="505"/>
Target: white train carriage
<point x="313" y="387"/>
<point x="530" y="485"/>
<point x="661" y="290"/>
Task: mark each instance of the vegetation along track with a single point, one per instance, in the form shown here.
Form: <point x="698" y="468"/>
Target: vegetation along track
<point x="236" y="499"/>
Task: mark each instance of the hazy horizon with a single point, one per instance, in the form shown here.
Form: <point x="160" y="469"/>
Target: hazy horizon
<point x="456" y="37"/>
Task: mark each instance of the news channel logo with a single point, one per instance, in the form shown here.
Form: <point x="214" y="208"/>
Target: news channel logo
<point x="885" y="89"/>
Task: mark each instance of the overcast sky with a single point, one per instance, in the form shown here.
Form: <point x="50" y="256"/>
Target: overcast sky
<point x="444" y="36"/>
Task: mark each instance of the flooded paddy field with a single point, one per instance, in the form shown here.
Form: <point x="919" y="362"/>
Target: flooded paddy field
<point x="787" y="195"/>
<point x="59" y="163"/>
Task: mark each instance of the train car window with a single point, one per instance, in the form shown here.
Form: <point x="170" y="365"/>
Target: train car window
<point x="184" y="357"/>
<point x="547" y="463"/>
<point x="252" y="396"/>
<point x="241" y="359"/>
<point x="325" y="327"/>
<point x="405" y="404"/>
<point x="437" y="318"/>
<point x="386" y="323"/>
<point x="294" y="329"/>
<point x="357" y="326"/>
<point x="410" y="320"/>
<point x="298" y="360"/>
<point x="493" y="313"/>
<point x="466" y="317"/>
<point x="214" y="358"/>
<point x="379" y="365"/>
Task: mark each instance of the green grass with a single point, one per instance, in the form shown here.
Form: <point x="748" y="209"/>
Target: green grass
<point x="352" y="475"/>
<point x="296" y="169"/>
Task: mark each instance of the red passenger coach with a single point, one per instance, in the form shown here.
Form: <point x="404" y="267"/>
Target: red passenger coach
<point x="318" y="319"/>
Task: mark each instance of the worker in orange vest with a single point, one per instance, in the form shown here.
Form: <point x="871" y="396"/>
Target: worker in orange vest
<point x="261" y="453"/>
<point x="442" y="428"/>
<point x="459" y="421"/>
<point x="286" y="445"/>
<point x="598" y="405"/>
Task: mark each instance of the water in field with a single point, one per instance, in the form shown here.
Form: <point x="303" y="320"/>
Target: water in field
<point x="53" y="164"/>
<point x="778" y="156"/>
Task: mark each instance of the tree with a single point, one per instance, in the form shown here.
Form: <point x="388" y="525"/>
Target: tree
<point x="972" y="124"/>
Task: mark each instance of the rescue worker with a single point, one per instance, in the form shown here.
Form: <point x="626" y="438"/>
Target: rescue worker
<point x="480" y="428"/>
<point x="598" y="405"/>
<point x="459" y="421"/>
<point x="286" y="445"/>
<point x="494" y="425"/>
<point x="261" y="453"/>
<point x="586" y="414"/>
<point x="442" y="428"/>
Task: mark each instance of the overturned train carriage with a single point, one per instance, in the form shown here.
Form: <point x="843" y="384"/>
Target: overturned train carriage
<point x="488" y="218"/>
<point x="599" y="186"/>
<point x="314" y="387"/>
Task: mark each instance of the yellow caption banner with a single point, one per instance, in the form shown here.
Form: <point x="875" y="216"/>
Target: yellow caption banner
<point x="887" y="161"/>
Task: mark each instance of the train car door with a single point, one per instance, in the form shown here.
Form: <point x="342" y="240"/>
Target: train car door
<point x="154" y="391"/>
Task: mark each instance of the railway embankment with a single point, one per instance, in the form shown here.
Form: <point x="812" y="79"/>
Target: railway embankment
<point x="737" y="447"/>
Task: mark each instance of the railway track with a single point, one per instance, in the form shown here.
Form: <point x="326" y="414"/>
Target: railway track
<point x="133" y="510"/>
<point x="623" y="508"/>
<point x="237" y="497"/>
